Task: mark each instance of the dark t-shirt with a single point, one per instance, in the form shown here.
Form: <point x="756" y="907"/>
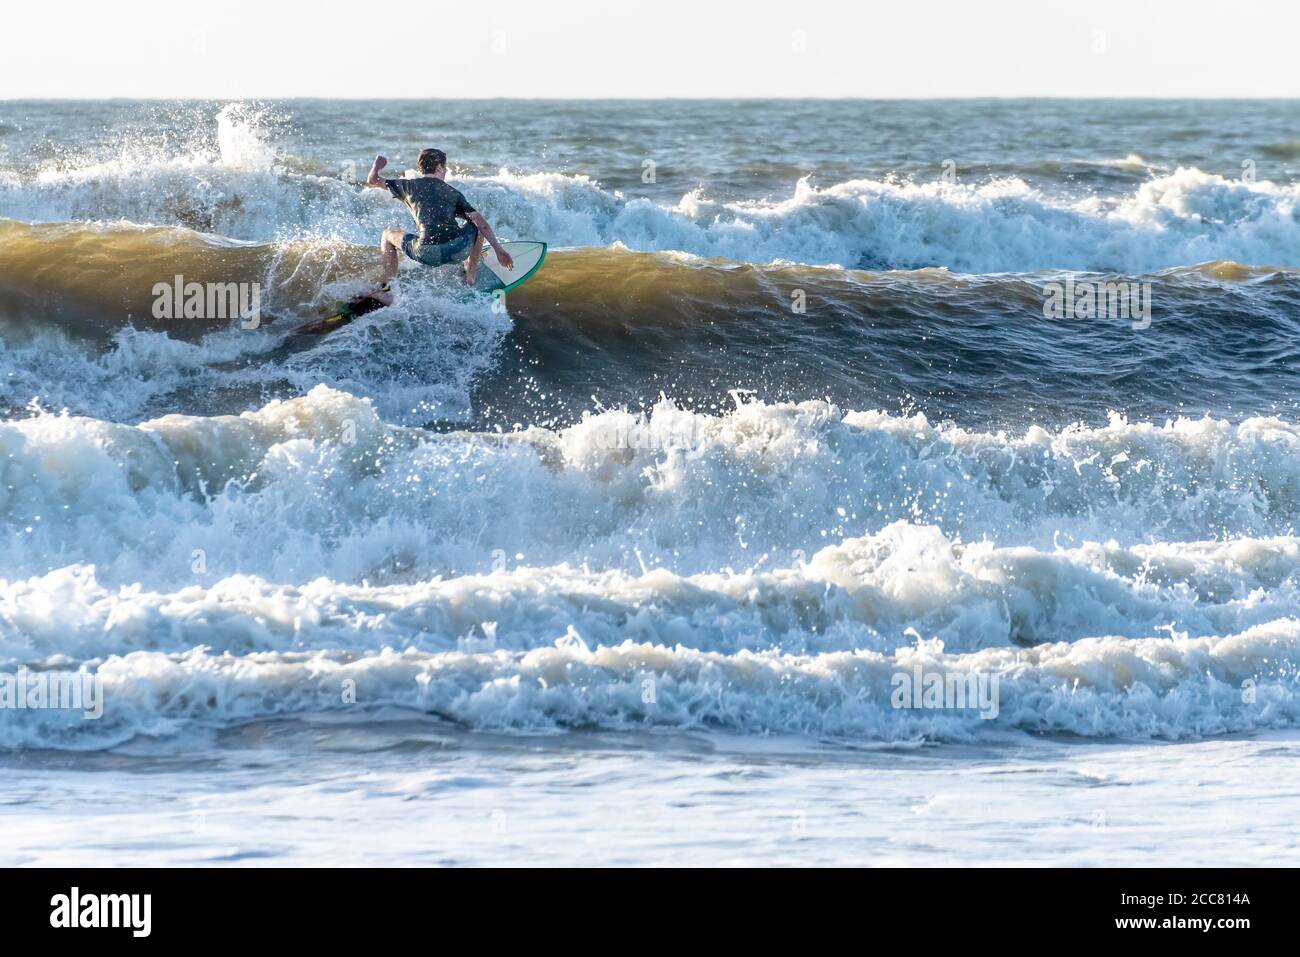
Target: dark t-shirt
<point x="434" y="204"/>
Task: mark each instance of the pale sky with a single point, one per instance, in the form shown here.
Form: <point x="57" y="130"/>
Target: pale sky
<point x="630" y="48"/>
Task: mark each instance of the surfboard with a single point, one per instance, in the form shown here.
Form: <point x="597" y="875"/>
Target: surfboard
<point x="493" y="278"/>
<point x="354" y="308"/>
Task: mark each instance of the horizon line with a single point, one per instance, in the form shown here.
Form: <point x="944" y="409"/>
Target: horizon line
<point x="651" y="99"/>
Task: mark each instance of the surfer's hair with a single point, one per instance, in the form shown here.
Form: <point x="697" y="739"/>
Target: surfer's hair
<point x="429" y="160"/>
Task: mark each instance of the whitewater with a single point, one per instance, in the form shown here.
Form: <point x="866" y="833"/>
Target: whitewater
<point x="660" y="537"/>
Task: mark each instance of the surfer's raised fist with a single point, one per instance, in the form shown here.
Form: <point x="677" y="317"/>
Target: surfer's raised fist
<point x="380" y="162"/>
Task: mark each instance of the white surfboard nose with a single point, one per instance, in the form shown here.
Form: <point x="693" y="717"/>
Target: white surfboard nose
<point x="527" y="256"/>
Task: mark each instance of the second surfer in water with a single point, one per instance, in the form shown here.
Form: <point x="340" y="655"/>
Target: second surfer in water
<point x="436" y="206"/>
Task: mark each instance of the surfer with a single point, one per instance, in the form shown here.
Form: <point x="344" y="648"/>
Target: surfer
<point x="436" y="206"/>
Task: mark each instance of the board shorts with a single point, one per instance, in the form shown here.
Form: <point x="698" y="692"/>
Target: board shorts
<point x="439" y="254"/>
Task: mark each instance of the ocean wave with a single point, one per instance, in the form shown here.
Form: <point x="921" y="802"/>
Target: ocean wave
<point x="1221" y="335"/>
<point x="321" y="485"/>
<point x="867" y="593"/>
<point x="243" y="191"/>
<point x="1101" y="687"/>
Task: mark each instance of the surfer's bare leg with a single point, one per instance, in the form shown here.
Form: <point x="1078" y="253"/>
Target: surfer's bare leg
<point x="484" y="231"/>
<point x="391" y="247"/>
<point x="475" y="254"/>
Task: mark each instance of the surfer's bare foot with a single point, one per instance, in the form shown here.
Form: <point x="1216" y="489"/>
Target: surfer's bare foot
<point x="470" y="273"/>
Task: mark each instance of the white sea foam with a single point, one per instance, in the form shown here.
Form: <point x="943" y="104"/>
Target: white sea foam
<point x="320" y="485"/>
<point x="1165" y="687"/>
<point x="873" y="592"/>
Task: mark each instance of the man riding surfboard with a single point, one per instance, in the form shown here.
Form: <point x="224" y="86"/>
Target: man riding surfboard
<point x="436" y="206"/>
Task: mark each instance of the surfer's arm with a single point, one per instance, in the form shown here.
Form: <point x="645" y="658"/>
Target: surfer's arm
<point x="486" y="232"/>
<point x="374" y="179"/>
